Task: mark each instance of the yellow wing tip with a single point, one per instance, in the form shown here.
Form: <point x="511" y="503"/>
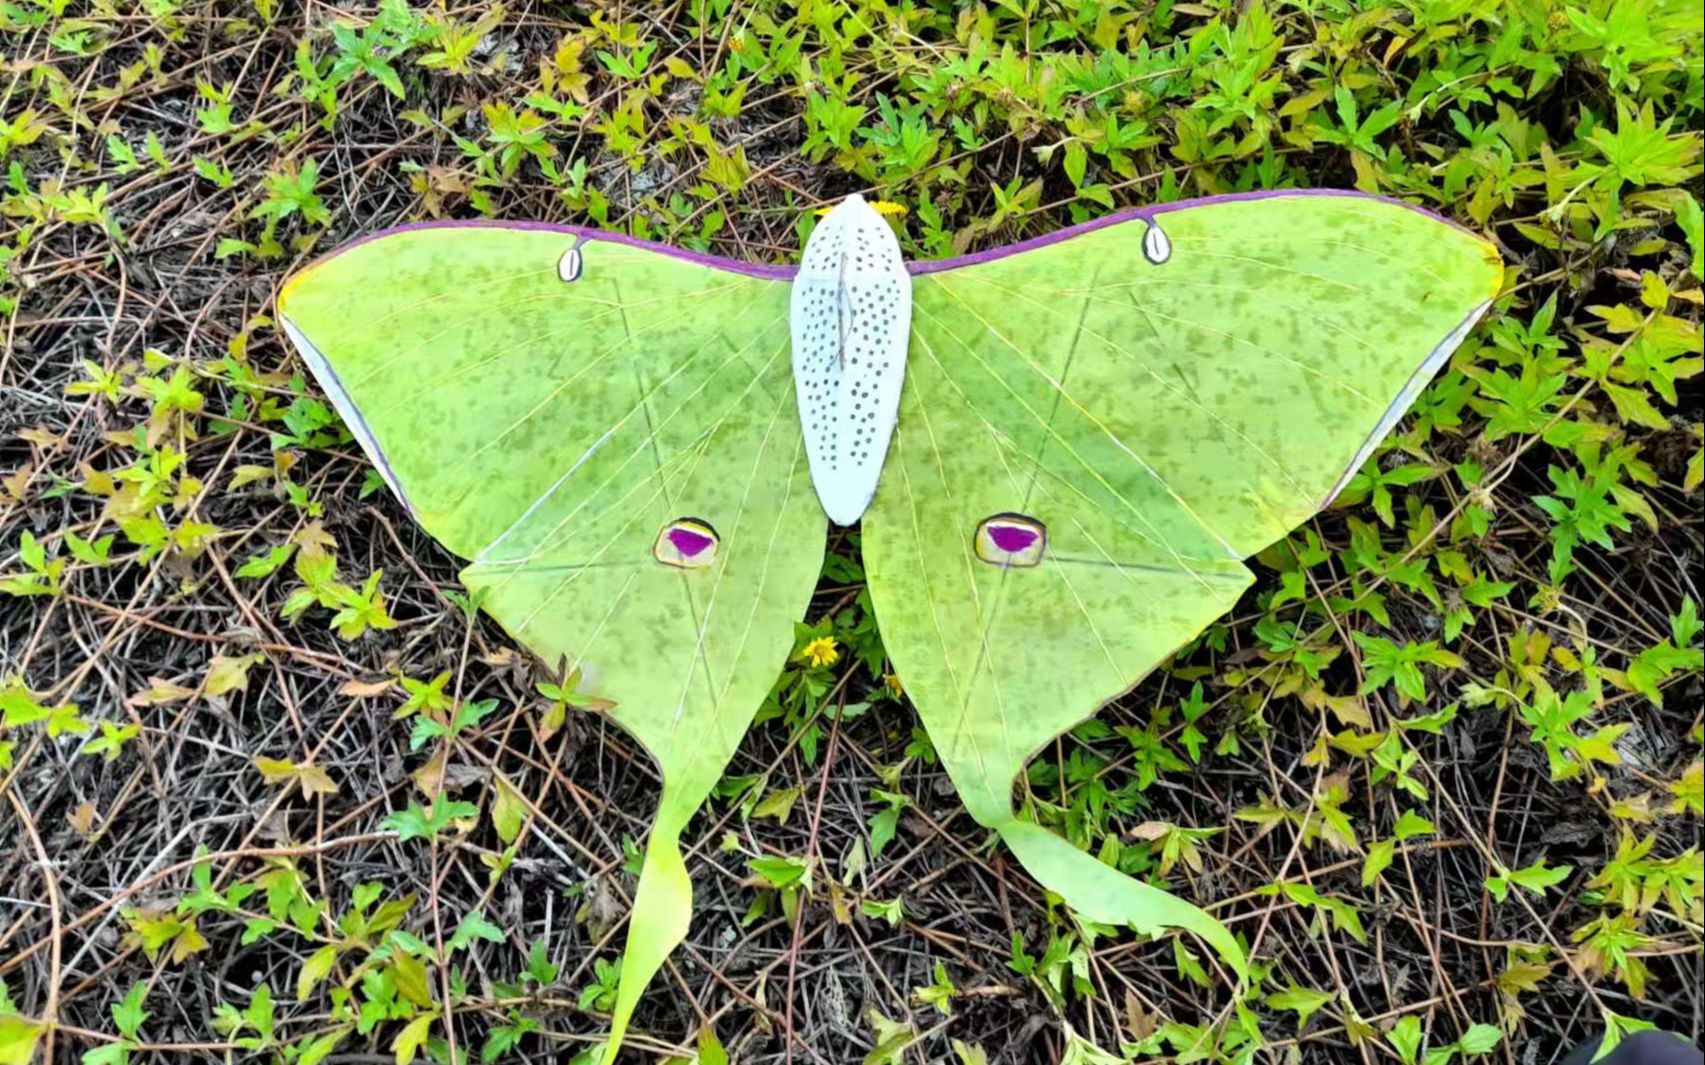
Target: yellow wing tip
<point x="290" y="286"/>
<point x="1494" y="262"/>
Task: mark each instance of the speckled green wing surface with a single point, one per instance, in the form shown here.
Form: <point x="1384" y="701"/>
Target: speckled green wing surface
<point x="547" y="431"/>
<point x="1094" y="431"/>
<point x="1133" y="410"/>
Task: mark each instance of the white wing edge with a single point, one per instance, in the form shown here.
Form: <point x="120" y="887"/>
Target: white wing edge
<point x="1405" y="397"/>
<point x="346" y="408"/>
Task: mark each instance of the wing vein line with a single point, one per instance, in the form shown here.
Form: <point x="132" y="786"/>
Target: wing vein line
<point x="984" y="622"/>
<point x="558" y="390"/>
<point x="615" y="601"/>
<point x="544" y="541"/>
<point x="1150" y="370"/>
<point x="1288" y="270"/>
<point x="1007" y="445"/>
<point x="1088" y="619"/>
<point x="722" y="570"/>
<point x="681" y="457"/>
<point x="1178" y="282"/>
<point x="556" y="299"/>
<point x="769" y="555"/>
<point x="1290" y="240"/>
<point x="1281" y="356"/>
<point x="924" y="570"/>
<point x="1135" y="511"/>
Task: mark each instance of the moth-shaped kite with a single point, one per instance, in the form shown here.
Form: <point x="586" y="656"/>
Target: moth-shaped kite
<point x="1061" y="451"/>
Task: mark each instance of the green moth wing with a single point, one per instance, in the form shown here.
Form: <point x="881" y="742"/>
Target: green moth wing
<point x="1097" y="427"/>
<point x="607" y="431"/>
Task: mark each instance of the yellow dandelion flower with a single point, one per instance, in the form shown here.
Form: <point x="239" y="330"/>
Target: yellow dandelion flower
<point x="895" y="688"/>
<point x="820" y="652"/>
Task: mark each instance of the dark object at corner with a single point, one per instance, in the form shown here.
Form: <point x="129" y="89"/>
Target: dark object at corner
<point x="1640" y="1048"/>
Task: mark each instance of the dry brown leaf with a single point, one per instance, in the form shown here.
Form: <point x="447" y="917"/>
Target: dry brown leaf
<point x="229" y="674"/>
<point x="312" y="779"/>
<point x="42" y="438"/>
<point x="97" y="482"/>
<point x="14" y="484"/>
<point x="159" y="693"/>
<point x="1139" y="1022"/>
<point x="82" y="820"/>
<point x="429" y="778"/>
<point x="1348" y="709"/>
<point x="362" y="689"/>
<point x="313" y="539"/>
<point x="315" y="781"/>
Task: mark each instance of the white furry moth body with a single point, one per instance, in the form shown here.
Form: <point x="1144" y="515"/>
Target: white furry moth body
<point x="850" y="317"/>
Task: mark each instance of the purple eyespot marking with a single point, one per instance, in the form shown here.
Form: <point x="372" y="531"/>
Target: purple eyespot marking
<point x="686" y="543"/>
<point x="1011" y="540"/>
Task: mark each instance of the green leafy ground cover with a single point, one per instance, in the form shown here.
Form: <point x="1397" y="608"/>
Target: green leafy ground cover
<point x="275" y="791"/>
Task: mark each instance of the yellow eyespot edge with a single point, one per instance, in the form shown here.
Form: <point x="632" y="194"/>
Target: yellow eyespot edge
<point x="1010" y="540"/>
<point x="686" y="543"/>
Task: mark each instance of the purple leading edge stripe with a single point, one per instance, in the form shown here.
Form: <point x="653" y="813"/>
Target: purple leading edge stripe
<point x="772" y="272"/>
<point x="1152" y="211"/>
<point x="585" y="233"/>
